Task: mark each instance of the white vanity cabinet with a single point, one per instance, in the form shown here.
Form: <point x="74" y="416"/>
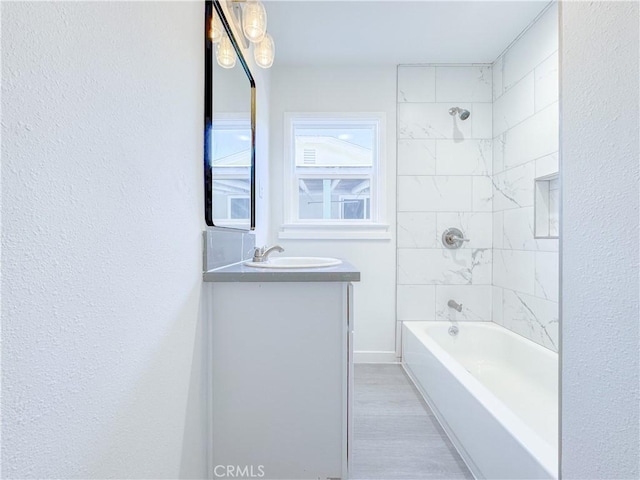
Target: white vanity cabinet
<point x="281" y="372"/>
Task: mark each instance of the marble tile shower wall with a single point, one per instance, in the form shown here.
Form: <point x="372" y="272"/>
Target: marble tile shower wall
<point x="525" y="146"/>
<point x="444" y="180"/>
<point x="478" y="175"/>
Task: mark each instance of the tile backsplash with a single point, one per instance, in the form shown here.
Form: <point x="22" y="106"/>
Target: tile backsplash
<point x="223" y="246"/>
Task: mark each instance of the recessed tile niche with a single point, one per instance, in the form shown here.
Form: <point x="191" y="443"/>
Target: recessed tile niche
<point x="547" y="206"/>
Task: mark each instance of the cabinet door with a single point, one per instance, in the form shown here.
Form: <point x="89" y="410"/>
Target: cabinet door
<point x="279" y="375"/>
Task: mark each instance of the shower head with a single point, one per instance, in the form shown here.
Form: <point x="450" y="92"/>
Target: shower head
<point x="464" y="114"/>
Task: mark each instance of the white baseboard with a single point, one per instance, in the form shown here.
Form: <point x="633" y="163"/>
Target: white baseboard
<point x="375" y="357"/>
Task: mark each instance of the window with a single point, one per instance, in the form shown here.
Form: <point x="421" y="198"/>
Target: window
<point x="334" y="176"/>
<point x="231" y="171"/>
<point x="239" y="207"/>
<point x="355" y="207"/>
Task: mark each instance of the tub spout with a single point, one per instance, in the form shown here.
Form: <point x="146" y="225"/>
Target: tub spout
<point x="456" y="306"/>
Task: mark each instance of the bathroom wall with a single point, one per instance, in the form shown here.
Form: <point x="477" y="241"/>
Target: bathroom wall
<point x="103" y="370"/>
<point x="600" y="400"/>
<point x="344" y="89"/>
<point x="525" y="146"/>
<point x="444" y="180"/>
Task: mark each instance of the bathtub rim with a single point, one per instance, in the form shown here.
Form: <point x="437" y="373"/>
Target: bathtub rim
<point x="530" y="440"/>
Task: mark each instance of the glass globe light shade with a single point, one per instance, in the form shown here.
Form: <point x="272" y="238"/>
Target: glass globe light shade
<point x="254" y="21"/>
<point x="264" y="52"/>
<point x="225" y="53"/>
<point x="215" y="29"/>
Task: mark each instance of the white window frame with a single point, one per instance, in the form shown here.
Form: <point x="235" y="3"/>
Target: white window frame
<point x="373" y="228"/>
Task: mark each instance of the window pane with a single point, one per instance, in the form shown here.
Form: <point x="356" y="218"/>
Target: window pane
<point x="231" y="198"/>
<point x="334" y="147"/>
<point x="231" y="146"/>
<point x="334" y="198"/>
<point x="240" y="208"/>
<point x="355" y="209"/>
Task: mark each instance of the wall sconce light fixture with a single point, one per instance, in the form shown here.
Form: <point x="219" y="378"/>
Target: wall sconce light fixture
<point x="225" y="54"/>
<point x="264" y="52"/>
<point x="215" y="29"/>
<point x="250" y="17"/>
<point x="254" y="21"/>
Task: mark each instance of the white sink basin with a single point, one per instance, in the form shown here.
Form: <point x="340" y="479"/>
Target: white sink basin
<point x="296" y="262"/>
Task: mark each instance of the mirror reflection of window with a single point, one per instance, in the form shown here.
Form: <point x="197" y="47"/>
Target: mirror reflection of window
<point x="231" y="147"/>
<point x="239" y="207"/>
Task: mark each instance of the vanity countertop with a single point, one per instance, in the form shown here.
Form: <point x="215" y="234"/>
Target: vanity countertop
<point x="345" y="272"/>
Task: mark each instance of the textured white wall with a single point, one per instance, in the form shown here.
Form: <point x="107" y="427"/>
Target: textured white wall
<point x="344" y="89"/>
<point x="101" y="240"/>
<point x="599" y="122"/>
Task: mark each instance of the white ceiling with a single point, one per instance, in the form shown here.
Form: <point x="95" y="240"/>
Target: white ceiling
<point x="308" y="32"/>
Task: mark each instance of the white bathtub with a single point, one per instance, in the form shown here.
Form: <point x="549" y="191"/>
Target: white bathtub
<point x="494" y="392"/>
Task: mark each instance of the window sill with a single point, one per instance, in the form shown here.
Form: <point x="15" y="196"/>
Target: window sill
<point x="370" y="231"/>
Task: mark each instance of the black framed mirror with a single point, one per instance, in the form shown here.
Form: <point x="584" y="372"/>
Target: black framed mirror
<point x="229" y="127"/>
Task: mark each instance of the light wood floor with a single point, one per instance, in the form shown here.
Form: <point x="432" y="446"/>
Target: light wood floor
<point x="396" y="436"/>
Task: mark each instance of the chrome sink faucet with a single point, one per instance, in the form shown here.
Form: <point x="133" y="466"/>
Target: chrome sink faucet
<point x="261" y="254"/>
